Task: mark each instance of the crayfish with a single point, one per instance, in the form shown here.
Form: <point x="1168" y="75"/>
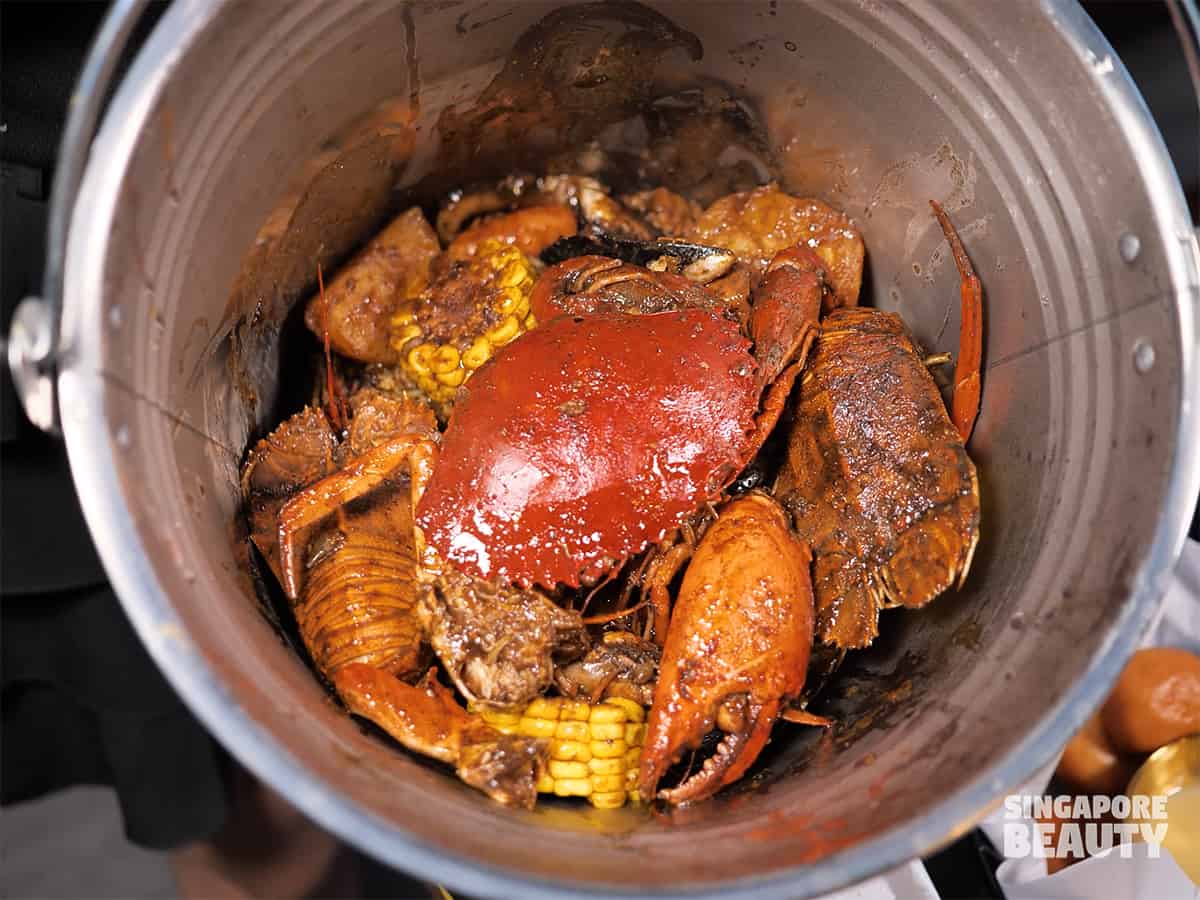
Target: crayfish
<point x="569" y="396"/>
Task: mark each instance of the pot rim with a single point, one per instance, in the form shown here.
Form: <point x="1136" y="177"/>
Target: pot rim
<point x="92" y="450"/>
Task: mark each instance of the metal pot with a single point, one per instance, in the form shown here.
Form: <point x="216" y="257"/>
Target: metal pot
<point x="182" y="261"/>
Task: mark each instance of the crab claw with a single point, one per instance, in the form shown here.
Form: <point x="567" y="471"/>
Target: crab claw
<point x="736" y="650"/>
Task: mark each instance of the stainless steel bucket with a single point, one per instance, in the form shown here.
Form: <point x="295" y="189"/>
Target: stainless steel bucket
<point x="224" y="171"/>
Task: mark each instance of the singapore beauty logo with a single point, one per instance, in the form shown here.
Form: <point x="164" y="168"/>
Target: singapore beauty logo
<point x="1083" y="826"/>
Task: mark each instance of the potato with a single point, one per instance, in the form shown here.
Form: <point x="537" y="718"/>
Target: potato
<point x="1156" y="700"/>
<point x="363" y="295"/>
<point x="1092" y="764"/>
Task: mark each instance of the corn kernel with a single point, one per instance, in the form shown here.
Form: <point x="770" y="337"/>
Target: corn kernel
<point x="635" y="796"/>
<point x="574" y="731"/>
<point x="418" y="358"/>
<point x="492" y="249"/>
<point x="477" y="354"/>
<point x="572" y="787"/>
<point x="575" y="711"/>
<point x="444" y="359"/>
<point x="635" y="735"/>
<point x="560" y="769"/>
<point x="498" y="719"/>
<point x="606" y="766"/>
<point x="607" y="712"/>
<point x="507" y="300"/>
<point x="608" y="731"/>
<point x="589" y="759"/>
<point x="452" y="378"/>
<point x="405" y="334"/>
<point x="508" y="329"/>
<point x="542" y="728"/>
<point x="569" y="751"/>
<point x="607" y="749"/>
<point x="522" y="310"/>
<point x="542" y="708"/>
<point x="612" y="800"/>
<point x="633" y="711"/>
<point x="513" y="274"/>
<point x="602" y="784"/>
<point x="530" y="322"/>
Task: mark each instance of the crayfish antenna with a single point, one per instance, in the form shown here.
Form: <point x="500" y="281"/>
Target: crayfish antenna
<point x="965" y="404"/>
<point x="337" y="406"/>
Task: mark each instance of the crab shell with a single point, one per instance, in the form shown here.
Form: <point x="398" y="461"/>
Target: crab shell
<point x="588" y="439"/>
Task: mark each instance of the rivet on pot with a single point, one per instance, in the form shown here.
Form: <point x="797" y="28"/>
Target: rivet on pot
<point x="1130" y="245"/>
<point x="122" y="437"/>
<point x="115" y="317"/>
<point x="1143" y="356"/>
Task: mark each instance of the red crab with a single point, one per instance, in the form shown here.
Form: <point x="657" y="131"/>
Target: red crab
<point x="596" y="435"/>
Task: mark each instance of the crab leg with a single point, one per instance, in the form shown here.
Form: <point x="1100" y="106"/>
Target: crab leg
<point x="965" y="405"/>
<point x="366" y="473"/>
<point x="784" y="322"/>
<point x="785" y="312"/>
<point x="663" y="569"/>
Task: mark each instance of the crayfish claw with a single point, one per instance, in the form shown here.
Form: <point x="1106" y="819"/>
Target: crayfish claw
<point x="506" y="768"/>
<point x="737" y="648"/>
<point x="734" y="754"/>
<point x="426" y="719"/>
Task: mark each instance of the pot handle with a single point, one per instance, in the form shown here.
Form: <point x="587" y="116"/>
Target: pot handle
<point x="32" y="344"/>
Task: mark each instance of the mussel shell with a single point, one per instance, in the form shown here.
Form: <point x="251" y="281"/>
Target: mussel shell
<point x="698" y="262"/>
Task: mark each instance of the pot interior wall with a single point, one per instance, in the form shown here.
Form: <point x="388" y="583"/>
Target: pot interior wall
<point x="314" y="121"/>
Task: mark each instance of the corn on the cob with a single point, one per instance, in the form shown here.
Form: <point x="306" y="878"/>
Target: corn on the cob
<point x="595" y="748"/>
<point x="440" y="354"/>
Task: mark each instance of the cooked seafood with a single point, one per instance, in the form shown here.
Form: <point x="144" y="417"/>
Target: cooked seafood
<point x="531" y="230"/>
<point x="562" y="396"/>
<point x="570" y="453"/>
<point x="737" y="648"/>
<point x="696" y="262"/>
<point x="359" y="600"/>
<point x="620" y="665"/>
<point x="426" y="719"/>
<point x="965" y="405"/>
<point x="664" y="210"/>
<point x="473" y="661"/>
<point x="758" y="224"/>
<point x="498" y="643"/>
<point x="877" y="477"/>
<point x="585" y="285"/>
<point x="590" y="200"/>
